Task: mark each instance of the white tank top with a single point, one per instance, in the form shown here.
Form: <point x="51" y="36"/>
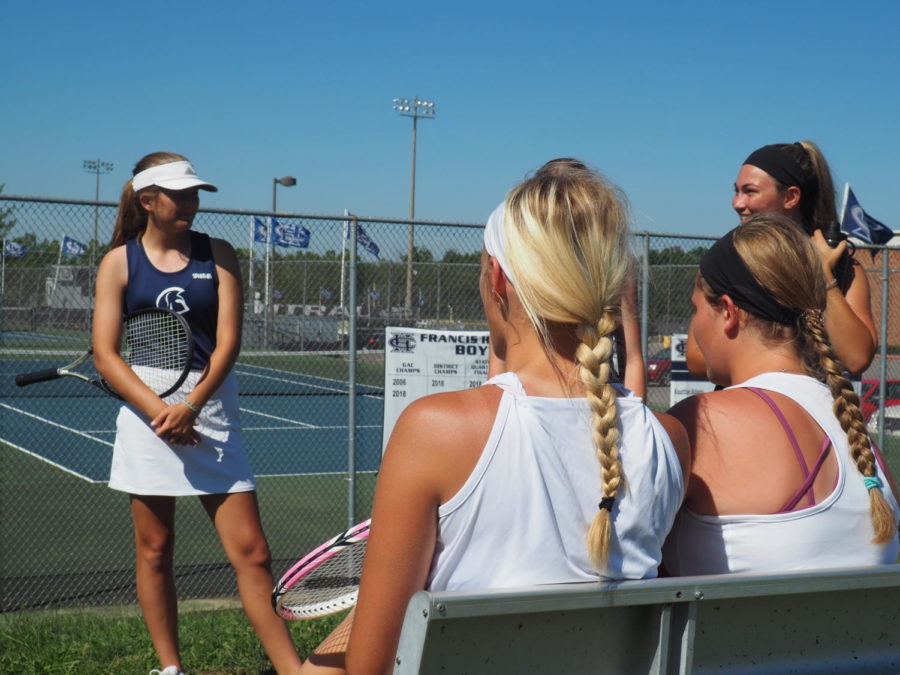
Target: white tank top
<point x="836" y="532"/>
<point x="523" y="514"/>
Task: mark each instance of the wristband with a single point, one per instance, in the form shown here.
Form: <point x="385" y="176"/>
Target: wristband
<point x="831" y="284"/>
<point x="194" y="409"/>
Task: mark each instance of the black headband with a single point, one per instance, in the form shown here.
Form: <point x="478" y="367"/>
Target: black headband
<point x="727" y="274"/>
<point x="785" y="169"/>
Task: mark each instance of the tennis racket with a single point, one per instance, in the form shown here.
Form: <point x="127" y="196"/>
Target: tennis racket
<point x="156" y="344"/>
<point x="325" y="580"/>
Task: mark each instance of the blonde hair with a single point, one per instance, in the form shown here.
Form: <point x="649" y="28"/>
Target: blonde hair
<point x="131" y="219"/>
<point x="784" y="262"/>
<point x="566" y="238"/>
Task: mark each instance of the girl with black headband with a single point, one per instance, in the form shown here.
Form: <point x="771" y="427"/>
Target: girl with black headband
<point x="784" y="475"/>
<point x="793" y="179"/>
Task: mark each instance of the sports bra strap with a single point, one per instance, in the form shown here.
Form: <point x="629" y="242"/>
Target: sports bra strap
<point x="808" y="476"/>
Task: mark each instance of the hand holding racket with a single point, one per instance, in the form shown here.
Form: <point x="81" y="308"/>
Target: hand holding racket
<point x="156" y="344"/>
<point x="325" y="580"/>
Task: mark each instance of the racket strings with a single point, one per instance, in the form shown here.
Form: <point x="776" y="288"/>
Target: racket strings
<point x="328" y="587"/>
<point x="157" y="347"/>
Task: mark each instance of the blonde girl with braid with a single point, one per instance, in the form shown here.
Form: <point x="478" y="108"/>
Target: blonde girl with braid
<point x="784" y="474"/>
<point x="549" y="472"/>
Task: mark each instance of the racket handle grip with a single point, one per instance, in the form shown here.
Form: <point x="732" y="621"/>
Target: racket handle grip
<point x="25" y="379"/>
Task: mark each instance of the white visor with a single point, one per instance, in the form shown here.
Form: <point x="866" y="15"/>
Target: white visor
<point x="171" y="176"/>
<point x="495" y="240"/>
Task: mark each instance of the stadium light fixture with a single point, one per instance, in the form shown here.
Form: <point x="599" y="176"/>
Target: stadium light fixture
<point x="416" y="109"/>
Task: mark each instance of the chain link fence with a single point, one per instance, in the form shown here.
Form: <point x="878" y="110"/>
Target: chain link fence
<point x="310" y="374"/>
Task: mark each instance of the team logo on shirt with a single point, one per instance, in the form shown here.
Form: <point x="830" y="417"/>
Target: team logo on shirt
<point x="173" y="298"/>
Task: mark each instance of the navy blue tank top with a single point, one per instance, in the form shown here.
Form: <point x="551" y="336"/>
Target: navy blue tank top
<point x="192" y="291"/>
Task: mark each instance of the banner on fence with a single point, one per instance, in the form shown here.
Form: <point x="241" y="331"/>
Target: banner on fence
<point x="419" y="362"/>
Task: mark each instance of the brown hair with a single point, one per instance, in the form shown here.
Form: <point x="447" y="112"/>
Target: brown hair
<point x="785" y="263"/>
<point x="819" y="209"/>
<point x="131" y="219"/>
<point x="566" y="238"/>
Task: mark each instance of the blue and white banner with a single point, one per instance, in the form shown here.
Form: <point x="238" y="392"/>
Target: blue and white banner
<point x="13" y="249"/>
<point x="72" y="247"/>
<point x="367" y="243"/>
<point x="260" y="231"/>
<point x="859" y="224"/>
<point x="290" y="234"/>
<point x="364" y="240"/>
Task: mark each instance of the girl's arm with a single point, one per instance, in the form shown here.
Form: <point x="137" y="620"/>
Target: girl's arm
<point x="178" y="418"/>
<point x="848" y="316"/>
<point x="635" y="375"/>
<point x="431" y="453"/>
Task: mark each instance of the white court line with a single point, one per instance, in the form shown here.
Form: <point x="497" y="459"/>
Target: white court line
<point x="294" y="427"/>
<point x="281" y="419"/>
<point x="55" y="424"/>
<point x="316" y="473"/>
<point x="50" y="462"/>
<point x="334" y="390"/>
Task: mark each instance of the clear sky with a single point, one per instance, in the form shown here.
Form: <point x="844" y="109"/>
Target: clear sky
<point x="666" y="98"/>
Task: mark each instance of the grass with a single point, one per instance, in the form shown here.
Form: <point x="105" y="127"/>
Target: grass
<point x="114" y="640"/>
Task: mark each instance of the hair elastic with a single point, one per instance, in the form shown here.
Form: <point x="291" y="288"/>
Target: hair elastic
<point x="872" y="482"/>
<point x="607" y="503"/>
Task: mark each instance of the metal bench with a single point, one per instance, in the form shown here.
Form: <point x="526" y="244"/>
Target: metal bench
<point x="832" y="621"/>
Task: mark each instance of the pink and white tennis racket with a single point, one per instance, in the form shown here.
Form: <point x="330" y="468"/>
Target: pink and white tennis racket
<point x="325" y="580"/>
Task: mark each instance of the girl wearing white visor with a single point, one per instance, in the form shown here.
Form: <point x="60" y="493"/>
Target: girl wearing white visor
<point x="190" y="443"/>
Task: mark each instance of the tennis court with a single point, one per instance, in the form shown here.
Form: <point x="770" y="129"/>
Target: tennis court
<point x="58" y="437"/>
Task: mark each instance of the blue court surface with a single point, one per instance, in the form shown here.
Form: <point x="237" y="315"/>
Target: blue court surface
<point x="294" y="424"/>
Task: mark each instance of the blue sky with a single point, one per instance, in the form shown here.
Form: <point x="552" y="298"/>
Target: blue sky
<point x="666" y="98"/>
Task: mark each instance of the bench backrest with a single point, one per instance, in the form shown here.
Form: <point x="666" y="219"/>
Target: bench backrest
<point x="835" y="621"/>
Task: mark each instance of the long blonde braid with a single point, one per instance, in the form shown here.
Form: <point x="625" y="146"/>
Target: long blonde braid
<point x="566" y="237"/>
<point x="846" y="409"/>
<point x="594" y="369"/>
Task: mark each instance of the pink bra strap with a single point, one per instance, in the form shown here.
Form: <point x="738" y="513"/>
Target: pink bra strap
<point x="808" y="478"/>
<point x="806" y="488"/>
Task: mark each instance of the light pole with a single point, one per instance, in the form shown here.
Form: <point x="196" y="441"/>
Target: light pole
<point x="96" y="167"/>
<point x="414" y="108"/>
<point x="286" y="181"/>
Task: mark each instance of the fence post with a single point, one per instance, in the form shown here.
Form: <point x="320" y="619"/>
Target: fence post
<point x="351" y="407"/>
<point x="645" y="294"/>
<point x="882" y="368"/>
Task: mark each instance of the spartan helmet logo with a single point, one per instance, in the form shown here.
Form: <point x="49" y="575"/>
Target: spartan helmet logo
<point x="172" y="298"/>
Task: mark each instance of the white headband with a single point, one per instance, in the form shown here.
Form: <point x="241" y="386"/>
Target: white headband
<point x="495" y="240"/>
<point x="172" y="176"/>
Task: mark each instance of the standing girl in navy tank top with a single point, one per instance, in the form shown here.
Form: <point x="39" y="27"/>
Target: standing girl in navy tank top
<point x="165" y="449"/>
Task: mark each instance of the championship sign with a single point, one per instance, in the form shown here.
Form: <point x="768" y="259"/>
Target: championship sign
<point x="419" y="362"/>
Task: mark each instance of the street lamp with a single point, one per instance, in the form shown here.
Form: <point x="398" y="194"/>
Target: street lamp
<point x="96" y="167"/>
<point x="414" y="108"/>
<point x="285" y="181"/>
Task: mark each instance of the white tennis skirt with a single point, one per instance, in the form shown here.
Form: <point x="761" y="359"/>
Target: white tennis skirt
<point x="143" y="464"/>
